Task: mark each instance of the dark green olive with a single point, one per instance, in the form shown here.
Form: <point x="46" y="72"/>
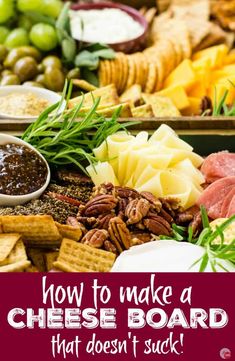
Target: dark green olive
<point x="3" y="52"/>
<point x="73" y="74"/>
<point x="26" y="68"/>
<point x="15" y="54"/>
<point x="33" y="83"/>
<point x="10" y="80"/>
<point x="54" y="79"/>
<point x="52" y="61"/>
<point x="40" y="78"/>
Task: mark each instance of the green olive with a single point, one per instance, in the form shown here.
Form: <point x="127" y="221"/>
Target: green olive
<point x="10" y="80"/>
<point x="40" y="68"/>
<point x="73" y="74"/>
<point x="3" y="52"/>
<point x="26" y="68"/>
<point x="54" y="79"/>
<point x="52" y="61"/>
<point x="40" y="78"/>
<point x="15" y="54"/>
<point x="33" y="83"/>
<point x="6" y="72"/>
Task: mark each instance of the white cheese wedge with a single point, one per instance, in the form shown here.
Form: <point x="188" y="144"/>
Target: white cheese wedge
<point x="165" y="256"/>
<point x="102" y="172"/>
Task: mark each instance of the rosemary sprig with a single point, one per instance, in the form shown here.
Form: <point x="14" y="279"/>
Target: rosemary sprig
<point x="220" y="107"/>
<point x="213" y="252"/>
<point x="64" y="140"/>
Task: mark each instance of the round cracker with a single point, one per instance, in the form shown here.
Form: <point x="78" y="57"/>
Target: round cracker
<point x="131" y="72"/>
<point x="107" y="71"/>
<point x="160" y="69"/>
<point x="118" y="65"/>
<point x="145" y="68"/>
<point x="102" y="74"/>
<point x="139" y="68"/>
<point x="125" y="69"/>
<point x="152" y="78"/>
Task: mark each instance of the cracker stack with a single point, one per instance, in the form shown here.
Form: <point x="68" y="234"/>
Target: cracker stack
<point x="48" y="245"/>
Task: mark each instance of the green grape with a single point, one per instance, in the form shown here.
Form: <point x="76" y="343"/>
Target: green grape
<point x="17" y="37"/>
<point x="6" y="10"/>
<point x="25" y="22"/>
<point x="4" y="32"/>
<point x="29" y="5"/>
<point x="43" y="36"/>
<point x="52" y="8"/>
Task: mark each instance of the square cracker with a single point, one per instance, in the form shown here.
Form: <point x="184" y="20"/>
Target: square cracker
<point x="67" y="231"/>
<point x="38" y="229"/>
<point x="7" y="243"/>
<point x="17" y="254"/>
<point x="15" y="267"/>
<point x="78" y="257"/>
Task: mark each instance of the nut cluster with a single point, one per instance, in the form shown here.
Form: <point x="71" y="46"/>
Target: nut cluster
<point x="116" y="218"/>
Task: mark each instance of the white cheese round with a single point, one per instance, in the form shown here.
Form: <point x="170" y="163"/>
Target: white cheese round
<point x="165" y="256"/>
<point x="107" y="26"/>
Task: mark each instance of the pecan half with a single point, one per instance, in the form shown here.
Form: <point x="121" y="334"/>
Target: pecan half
<point x="121" y="208"/>
<point x="87" y="221"/>
<point x="144" y="237"/>
<point x="119" y="234"/>
<point x="166" y="216"/>
<point x="136" y="210"/>
<point x="171" y="205"/>
<point x="109" y="246"/>
<point x="72" y="221"/>
<point x="95" y="238"/>
<point x="101" y="203"/>
<point x="154" y="201"/>
<point x="157" y="225"/>
<point x="126" y="192"/>
<point x="104" y="188"/>
<point x="103" y="221"/>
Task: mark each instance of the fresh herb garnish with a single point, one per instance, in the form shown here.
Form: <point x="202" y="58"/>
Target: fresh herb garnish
<point x="64" y="140"/>
<point x="213" y="252"/>
<point x="220" y="107"/>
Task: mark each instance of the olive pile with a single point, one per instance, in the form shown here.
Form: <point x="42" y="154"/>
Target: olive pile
<point x="26" y="65"/>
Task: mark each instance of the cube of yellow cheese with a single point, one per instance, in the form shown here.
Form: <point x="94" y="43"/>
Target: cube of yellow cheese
<point x="216" y="54"/>
<point x="230" y="58"/>
<point x="183" y="75"/>
<point x="177" y="94"/>
<point x="194" y="108"/>
<point x="198" y="90"/>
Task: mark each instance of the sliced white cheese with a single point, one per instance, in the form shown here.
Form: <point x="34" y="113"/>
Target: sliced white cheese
<point x="102" y="172"/>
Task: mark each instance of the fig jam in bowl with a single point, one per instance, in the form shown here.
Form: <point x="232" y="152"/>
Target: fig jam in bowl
<point x="24" y="172"/>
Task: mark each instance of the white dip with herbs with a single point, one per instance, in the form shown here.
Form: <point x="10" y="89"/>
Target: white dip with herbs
<point x="107" y="26"/>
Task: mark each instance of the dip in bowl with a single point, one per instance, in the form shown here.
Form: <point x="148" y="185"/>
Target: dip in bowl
<point x="24" y="173"/>
<point x="121" y="27"/>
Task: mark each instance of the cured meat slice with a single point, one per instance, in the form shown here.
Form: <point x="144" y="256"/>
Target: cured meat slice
<point x="218" y="165"/>
<point x="213" y="196"/>
<point x="226" y="203"/>
<point x="231" y="209"/>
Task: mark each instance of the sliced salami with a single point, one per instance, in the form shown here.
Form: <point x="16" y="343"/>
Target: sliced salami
<point x="218" y="165"/>
<point x="214" y="195"/>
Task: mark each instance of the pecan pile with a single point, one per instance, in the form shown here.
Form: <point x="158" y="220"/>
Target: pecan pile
<point x="116" y="218"/>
